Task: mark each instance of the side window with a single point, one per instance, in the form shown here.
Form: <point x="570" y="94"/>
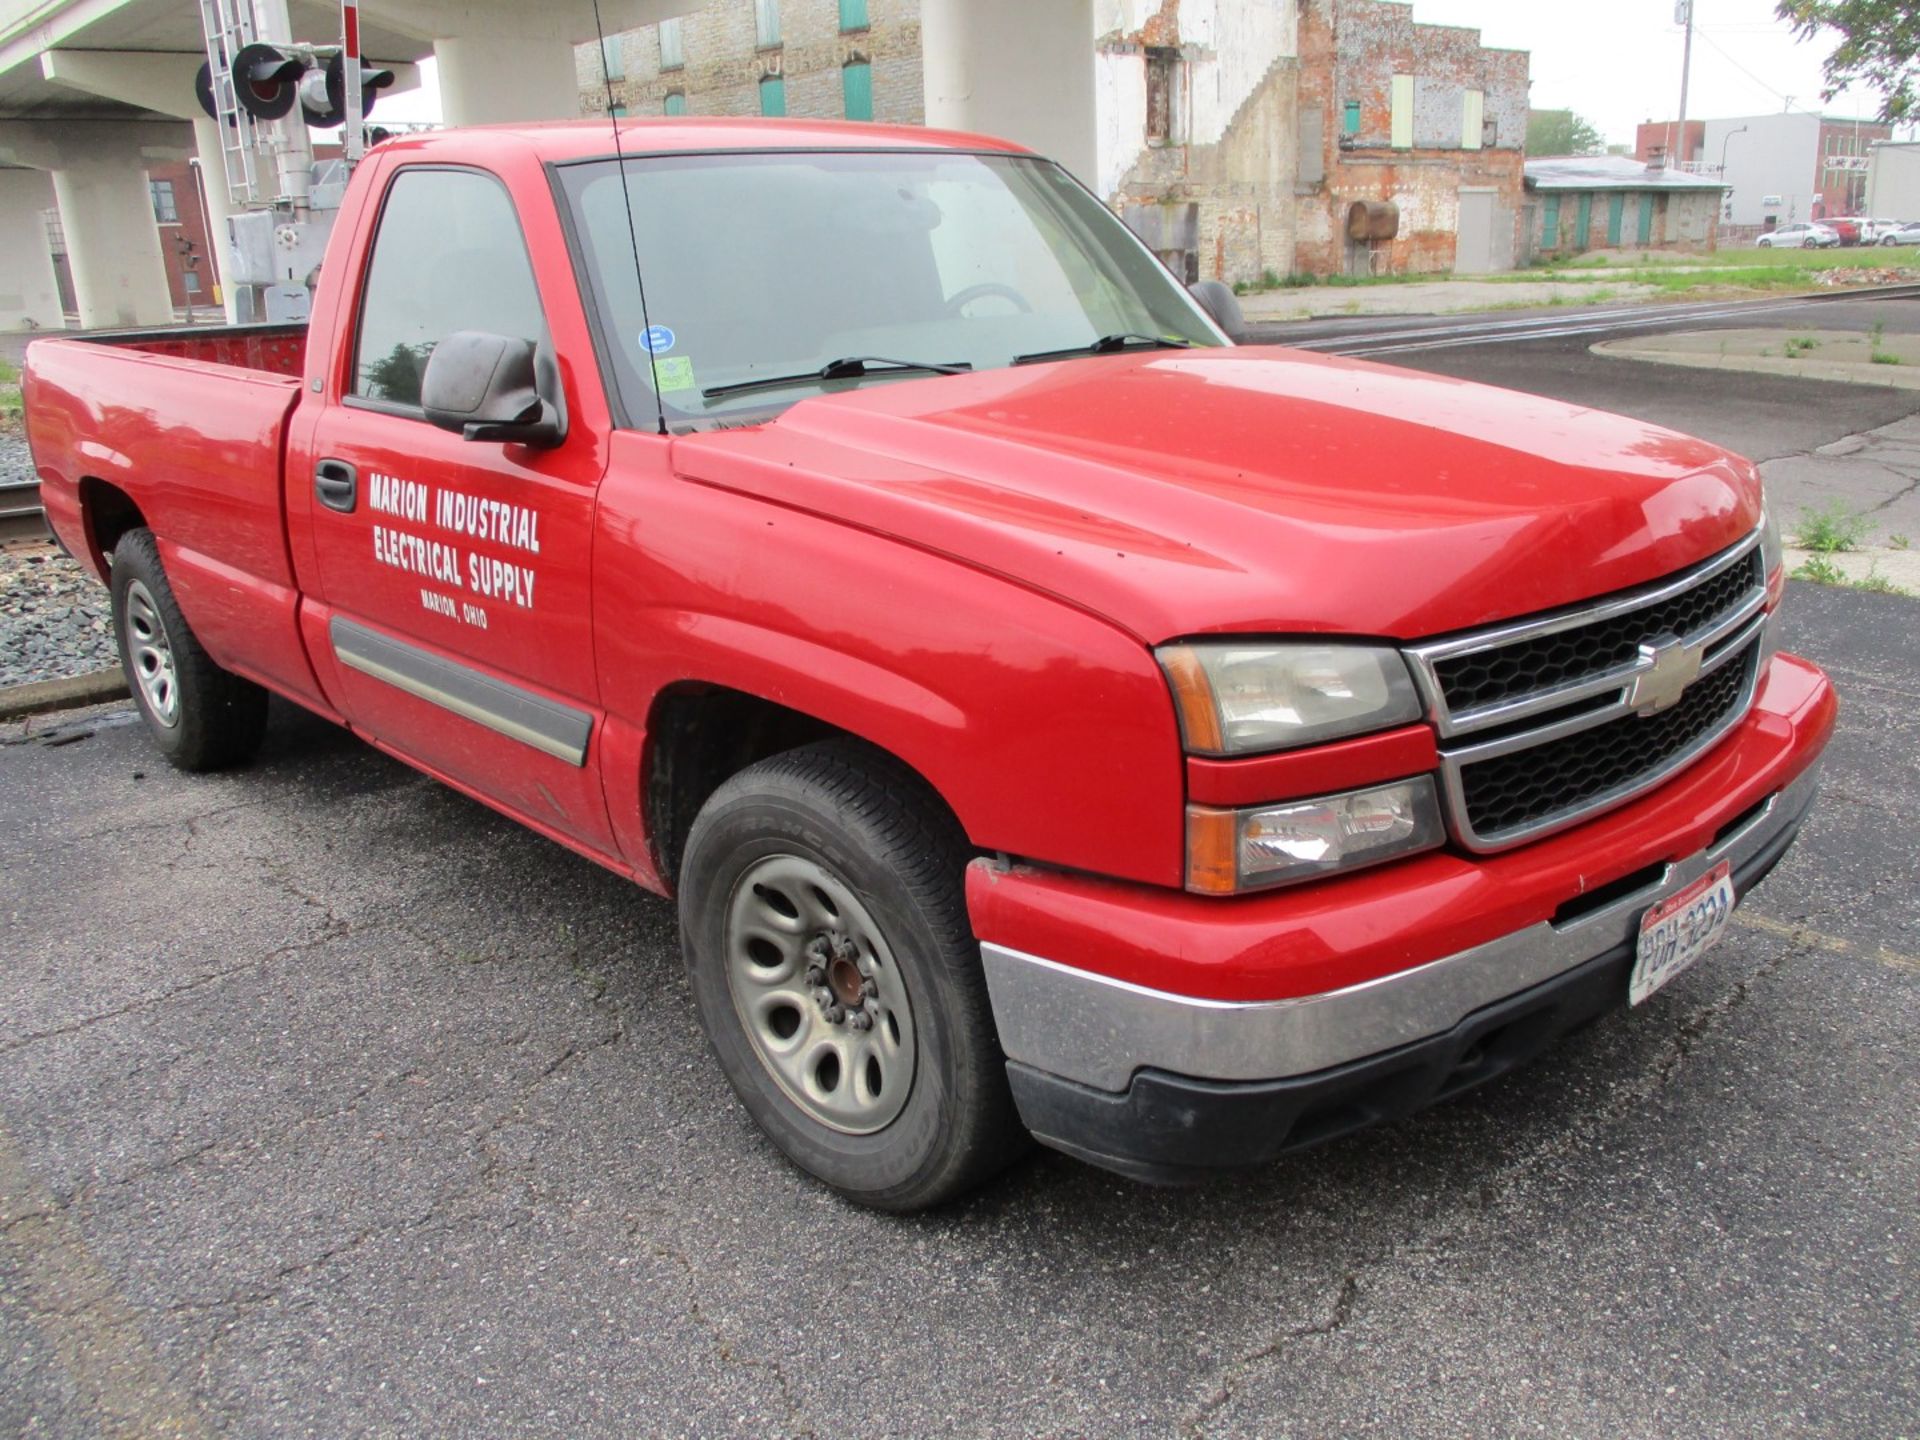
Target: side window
<point x="448" y="256"/>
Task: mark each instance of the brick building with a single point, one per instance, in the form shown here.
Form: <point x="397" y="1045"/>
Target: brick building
<point x="1235" y="136"/>
<point x="1421" y="117"/>
<point x="819" y="59"/>
<point x="182" y="220"/>
<point x="1615" y="202"/>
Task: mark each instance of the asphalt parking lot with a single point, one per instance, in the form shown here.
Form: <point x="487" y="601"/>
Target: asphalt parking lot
<point x="333" y="1104"/>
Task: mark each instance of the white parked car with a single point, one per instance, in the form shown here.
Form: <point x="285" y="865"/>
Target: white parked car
<point x="1800" y="237"/>
<point x="1902" y="233"/>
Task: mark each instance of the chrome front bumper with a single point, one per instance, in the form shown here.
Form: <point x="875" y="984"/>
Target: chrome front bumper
<point x="1096" y="1032"/>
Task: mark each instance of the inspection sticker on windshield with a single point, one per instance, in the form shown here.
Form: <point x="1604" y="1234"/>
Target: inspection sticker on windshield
<point x="1680" y="929"/>
<point x="675" y="372"/>
<point x="657" y="339"/>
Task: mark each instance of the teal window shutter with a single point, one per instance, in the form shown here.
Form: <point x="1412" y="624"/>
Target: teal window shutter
<point x="856" y="85"/>
<point x="1616" y="213"/>
<point x="1350" y="121"/>
<point x="676" y="103"/>
<point x="1550" y="228"/>
<point x="1583" y="236"/>
<point x="773" y="95"/>
<point x="1646" y="218"/>
<point x="853" y="16"/>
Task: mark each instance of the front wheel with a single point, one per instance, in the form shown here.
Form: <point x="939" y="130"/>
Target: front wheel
<point x="824" y="926"/>
<point x="200" y="716"/>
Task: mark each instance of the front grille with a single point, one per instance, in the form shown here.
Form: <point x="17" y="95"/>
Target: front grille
<point x="1488" y="677"/>
<point x="1517" y="791"/>
<point x="1546" y="721"/>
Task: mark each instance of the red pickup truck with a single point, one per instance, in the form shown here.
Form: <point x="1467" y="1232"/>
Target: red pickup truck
<point x="1051" y="718"/>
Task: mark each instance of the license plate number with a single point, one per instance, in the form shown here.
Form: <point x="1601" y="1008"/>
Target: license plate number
<point x="1680" y="929"/>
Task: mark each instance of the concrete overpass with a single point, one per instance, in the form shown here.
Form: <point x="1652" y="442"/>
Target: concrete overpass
<point x="93" y="91"/>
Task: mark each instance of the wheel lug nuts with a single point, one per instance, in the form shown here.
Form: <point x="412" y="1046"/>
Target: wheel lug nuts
<point x="869" y="988"/>
<point x="836" y="1013"/>
<point x="816" y="976"/>
<point x="862" y="1020"/>
<point x="823" y="997"/>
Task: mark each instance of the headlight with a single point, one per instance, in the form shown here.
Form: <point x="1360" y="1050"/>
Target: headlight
<point x="1236" y="698"/>
<point x="1234" y="850"/>
<point x="1775" y="556"/>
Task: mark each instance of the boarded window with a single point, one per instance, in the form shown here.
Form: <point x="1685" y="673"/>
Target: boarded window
<point x="1403" y="112"/>
<point x="853" y="15"/>
<point x="617" y="111"/>
<point x="1473" y="119"/>
<point x="773" y="95"/>
<point x="675" y="104"/>
<point x="1550" y="224"/>
<point x="1646" y="219"/>
<point x="856" y="90"/>
<point x="766" y="24"/>
<point x="613" y="58"/>
<point x="1163" y="97"/>
<point x="1350" y="121"/>
<point x="673" y="45"/>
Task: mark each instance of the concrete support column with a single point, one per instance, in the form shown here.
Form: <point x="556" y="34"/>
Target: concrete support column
<point x="113" y="246"/>
<point x="500" y="79"/>
<point x="1015" y="69"/>
<point x="29" y="293"/>
<point x="213" y="183"/>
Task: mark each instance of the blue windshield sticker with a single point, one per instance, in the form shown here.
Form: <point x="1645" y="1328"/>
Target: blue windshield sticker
<point x="657" y="340"/>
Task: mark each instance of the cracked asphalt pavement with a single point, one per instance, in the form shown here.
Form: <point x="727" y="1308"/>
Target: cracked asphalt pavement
<point x="332" y="1104"/>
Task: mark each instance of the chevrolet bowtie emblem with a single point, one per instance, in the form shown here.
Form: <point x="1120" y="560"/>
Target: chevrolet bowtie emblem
<point x="1671" y="668"/>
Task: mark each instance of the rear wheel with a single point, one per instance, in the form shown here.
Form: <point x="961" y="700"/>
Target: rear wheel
<point x="826" y="939"/>
<point x="201" y="717"/>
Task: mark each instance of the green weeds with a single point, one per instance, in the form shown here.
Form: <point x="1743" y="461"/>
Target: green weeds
<point x="1831" y="531"/>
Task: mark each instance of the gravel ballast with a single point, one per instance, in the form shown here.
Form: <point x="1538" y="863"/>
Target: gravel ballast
<point x="53" y="615"/>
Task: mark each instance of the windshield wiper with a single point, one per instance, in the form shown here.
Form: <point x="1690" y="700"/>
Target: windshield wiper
<point x="1106" y="345"/>
<point x="852" y="367"/>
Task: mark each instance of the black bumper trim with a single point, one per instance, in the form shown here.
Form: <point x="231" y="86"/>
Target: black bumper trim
<point x="1173" y="1129"/>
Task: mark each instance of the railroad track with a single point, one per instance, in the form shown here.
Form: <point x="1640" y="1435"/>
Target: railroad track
<point x="22" y="517"/>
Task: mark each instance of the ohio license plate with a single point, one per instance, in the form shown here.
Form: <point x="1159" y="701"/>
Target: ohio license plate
<point x="1680" y="929"/>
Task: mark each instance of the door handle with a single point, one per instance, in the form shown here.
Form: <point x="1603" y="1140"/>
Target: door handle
<point x="337" y="485"/>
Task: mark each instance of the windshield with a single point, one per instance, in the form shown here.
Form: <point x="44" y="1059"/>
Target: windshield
<point x="761" y="266"/>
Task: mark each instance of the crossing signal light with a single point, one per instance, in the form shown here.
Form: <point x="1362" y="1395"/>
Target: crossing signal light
<point x="323" y="92"/>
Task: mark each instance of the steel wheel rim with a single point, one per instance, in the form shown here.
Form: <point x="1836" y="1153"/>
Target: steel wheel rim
<point x="150" y="654"/>
<point x="818" y="993"/>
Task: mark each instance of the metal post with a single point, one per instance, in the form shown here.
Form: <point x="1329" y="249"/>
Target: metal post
<point x="355" y="136"/>
<point x="1683" y="14"/>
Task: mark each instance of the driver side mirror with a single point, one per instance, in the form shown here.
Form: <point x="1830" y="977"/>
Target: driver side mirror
<point x="1219" y="301"/>
<point x="492" y="387"/>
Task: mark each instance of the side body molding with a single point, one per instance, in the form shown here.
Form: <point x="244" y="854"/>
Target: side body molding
<point x="551" y="728"/>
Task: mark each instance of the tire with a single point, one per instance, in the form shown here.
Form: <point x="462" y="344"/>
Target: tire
<point x="824" y="882"/>
<point x="200" y="716"/>
<point x="1809" y="244"/>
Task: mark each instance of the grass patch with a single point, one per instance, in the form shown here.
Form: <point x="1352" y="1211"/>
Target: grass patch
<point x="1886" y="357"/>
<point x="11" y="421"/>
<point x="1821" y="571"/>
<point x="1877" y="584"/>
<point x="1899" y="542"/>
<point x="1798" y="345"/>
<point x="1831" y="531"/>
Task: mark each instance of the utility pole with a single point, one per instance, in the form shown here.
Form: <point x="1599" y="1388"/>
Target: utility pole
<point x="1683" y="15"/>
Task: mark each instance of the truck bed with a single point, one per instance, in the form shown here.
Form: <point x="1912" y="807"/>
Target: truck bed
<point x="276" y="349"/>
<point x="188" y="428"/>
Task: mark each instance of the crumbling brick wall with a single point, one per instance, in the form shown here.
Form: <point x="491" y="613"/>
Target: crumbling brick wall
<point x="1350" y="52"/>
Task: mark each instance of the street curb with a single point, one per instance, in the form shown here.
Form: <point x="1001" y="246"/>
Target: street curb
<point x="40" y="696"/>
<point x="1879" y="377"/>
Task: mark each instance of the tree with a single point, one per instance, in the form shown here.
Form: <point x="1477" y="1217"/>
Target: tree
<point x="1880" y="47"/>
<point x="1561" y="132"/>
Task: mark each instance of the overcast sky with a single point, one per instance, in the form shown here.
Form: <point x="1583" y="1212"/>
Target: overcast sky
<point x="1617" y="62"/>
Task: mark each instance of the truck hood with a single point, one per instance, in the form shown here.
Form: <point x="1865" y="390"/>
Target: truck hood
<point x="1252" y="489"/>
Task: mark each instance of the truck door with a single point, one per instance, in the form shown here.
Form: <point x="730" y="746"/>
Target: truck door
<point x="454" y="573"/>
